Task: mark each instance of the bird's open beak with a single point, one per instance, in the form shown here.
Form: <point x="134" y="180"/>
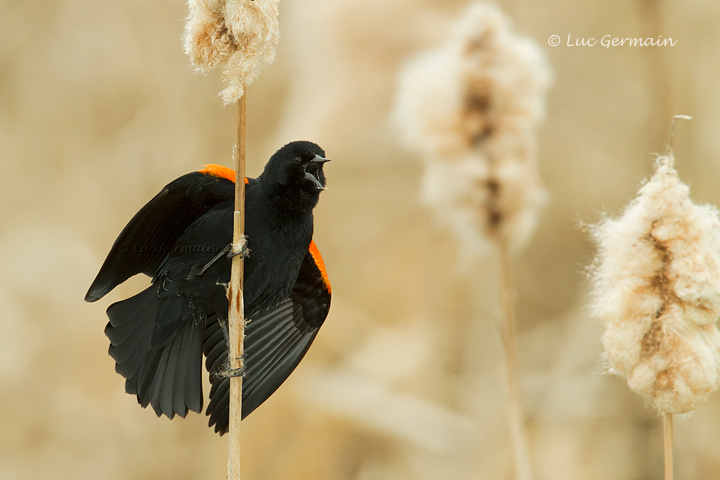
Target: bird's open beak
<point x="313" y="174"/>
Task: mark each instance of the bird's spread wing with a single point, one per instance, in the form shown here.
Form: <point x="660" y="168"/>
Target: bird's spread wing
<point x="275" y="342"/>
<point x="156" y="336"/>
<point x="145" y="240"/>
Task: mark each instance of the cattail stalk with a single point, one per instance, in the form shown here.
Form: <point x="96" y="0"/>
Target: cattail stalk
<point x="515" y="408"/>
<point x="668" y="417"/>
<point x="668" y="445"/>
<point x="236" y="314"/>
<point x="242" y="35"/>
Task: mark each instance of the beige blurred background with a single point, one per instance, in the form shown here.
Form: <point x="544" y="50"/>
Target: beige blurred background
<point x="99" y="108"/>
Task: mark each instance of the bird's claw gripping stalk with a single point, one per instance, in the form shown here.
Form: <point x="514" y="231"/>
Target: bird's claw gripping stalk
<point x="228" y="372"/>
<point x="239" y="248"/>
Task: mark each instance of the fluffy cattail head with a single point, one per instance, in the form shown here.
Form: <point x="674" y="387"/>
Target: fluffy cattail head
<point x="471" y="108"/>
<point x="657" y="292"/>
<point x="240" y="34"/>
<point x="484" y="83"/>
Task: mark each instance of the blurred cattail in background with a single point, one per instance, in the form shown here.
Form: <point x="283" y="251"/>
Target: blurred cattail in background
<point x="470" y="108"/>
<point x="657" y="292"/>
<point x="240" y="34"/>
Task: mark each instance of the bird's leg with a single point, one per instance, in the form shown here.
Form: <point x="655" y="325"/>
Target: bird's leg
<point x="214" y="259"/>
<point x="228" y="372"/>
<point x="231" y="250"/>
<point x="241" y="248"/>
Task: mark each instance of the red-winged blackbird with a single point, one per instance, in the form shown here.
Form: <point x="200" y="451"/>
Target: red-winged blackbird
<point x="158" y="337"/>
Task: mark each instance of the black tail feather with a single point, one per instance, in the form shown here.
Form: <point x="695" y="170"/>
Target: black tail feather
<point x="167" y="376"/>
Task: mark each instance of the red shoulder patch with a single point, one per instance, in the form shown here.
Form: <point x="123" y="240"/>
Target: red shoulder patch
<point x="220" y="171"/>
<point x="320" y="264"/>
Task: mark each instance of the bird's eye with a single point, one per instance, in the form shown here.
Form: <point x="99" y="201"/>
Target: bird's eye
<point x="298" y="160"/>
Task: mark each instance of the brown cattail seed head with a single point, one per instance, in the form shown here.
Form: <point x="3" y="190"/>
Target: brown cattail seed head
<point x="657" y="292"/>
<point x="471" y="108"/>
<point x="240" y="34"/>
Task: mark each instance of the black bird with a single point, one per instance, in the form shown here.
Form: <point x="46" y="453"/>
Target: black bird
<point x="158" y="336"/>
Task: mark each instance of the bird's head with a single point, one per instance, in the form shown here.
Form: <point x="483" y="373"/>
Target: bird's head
<point x="297" y="169"/>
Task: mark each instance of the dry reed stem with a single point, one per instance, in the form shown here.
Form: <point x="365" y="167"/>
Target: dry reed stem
<point x="668" y="445"/>
<point x="671" y="140"/>
<point x="236" y="317"/>
<point x="515" y="408"/>
<point x="668" y="417"/>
